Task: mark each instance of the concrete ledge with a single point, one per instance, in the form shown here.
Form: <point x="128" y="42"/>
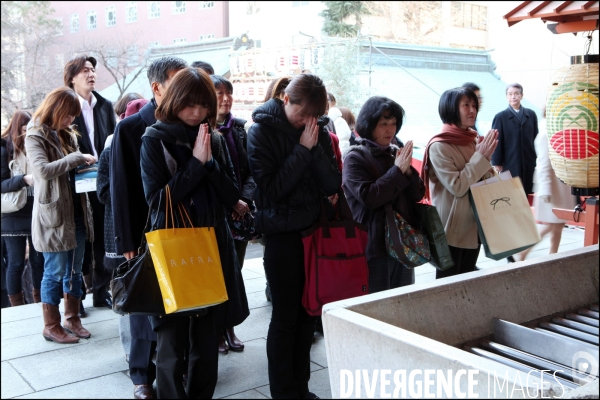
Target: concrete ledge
<point x="414" y="329"/>
<point x="518" y="293"/>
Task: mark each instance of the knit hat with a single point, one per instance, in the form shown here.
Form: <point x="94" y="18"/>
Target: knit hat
<point x="134" y="107"/>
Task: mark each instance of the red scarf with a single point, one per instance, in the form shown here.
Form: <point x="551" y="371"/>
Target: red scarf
<point x="450" y="134"/>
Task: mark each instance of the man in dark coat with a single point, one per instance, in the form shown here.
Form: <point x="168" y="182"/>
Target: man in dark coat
<point x="130" y="210"/>
<point x="517" y="128"/>
<point x="96" y="121"/>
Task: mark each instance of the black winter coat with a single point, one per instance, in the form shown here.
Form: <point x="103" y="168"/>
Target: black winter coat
<point x="127" y="199"/>
<point x="241" y="143"/>
<point x="515" y="151"/>
<point x="191" y="179"/>
<point x="129" y="206"/>
<point x="18" y="222"/>
<point x="369" y="189"/>
<point x="291" y="180"/>
<point x="111" y="258"/>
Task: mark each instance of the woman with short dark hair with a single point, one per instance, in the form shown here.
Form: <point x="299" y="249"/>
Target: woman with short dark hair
<point x="378" y="173"/>
<point x="232" y="129"/>
<point x="293" y="165"/>
<point x="452" y="162"/>
<point x="181" y="152"/>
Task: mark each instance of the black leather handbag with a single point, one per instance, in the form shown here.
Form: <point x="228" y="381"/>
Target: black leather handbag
<point x="134" y="285"/>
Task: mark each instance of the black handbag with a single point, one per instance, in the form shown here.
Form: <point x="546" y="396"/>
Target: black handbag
<point x="432" y="226"/>
<point x="134" y="285"/>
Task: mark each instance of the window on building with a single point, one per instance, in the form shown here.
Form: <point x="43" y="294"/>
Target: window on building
<point x="91" y="20"/>
<point x="299" y="3"/>
<point x="153" y="44"/>
<point x="207" y="37"/>
<point x="132" y="56"/>
<point x="179" y="41"/>
<point x="74" y="23"/>
<point x="206" y="4"/>
<point x="178" y="7"/>
<point x="130" y="11"/>
<point x="111" y="16"/>
<point x="153" y="9"/>
<point x="470" y="16"/>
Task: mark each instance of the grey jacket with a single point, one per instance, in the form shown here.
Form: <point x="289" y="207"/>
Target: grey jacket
<point x="53" y="221"/>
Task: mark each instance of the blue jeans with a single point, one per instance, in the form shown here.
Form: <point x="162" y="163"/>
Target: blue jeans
<point x="65" y="267"/>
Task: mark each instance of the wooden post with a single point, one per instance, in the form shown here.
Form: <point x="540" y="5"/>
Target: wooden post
<point x="591" y="222"/>
<point x="587" y="219"/>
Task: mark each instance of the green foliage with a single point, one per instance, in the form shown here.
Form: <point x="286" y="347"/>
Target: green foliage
<point x="340" y="71"/>
<point x="338" y="14"/>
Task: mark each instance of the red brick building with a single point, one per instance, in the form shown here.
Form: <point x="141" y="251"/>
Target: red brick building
<point x="131" y="27"/>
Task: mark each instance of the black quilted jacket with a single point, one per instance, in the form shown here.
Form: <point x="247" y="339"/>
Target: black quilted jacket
<point x="290" y="179"/>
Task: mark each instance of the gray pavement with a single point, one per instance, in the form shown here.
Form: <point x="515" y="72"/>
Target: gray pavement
<point x="96" y="367"/>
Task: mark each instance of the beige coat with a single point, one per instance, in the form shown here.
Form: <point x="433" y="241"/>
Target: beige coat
<point x="453" y="169"/>
<point x="53" y="221"/>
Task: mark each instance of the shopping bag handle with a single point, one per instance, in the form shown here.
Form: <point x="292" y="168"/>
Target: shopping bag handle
<point x="143" y="240"/>
<point x="169" y="206"/>
<point x="186" y="214"/>
<point x="497" y="176"/>
<point x="181" y="209"/>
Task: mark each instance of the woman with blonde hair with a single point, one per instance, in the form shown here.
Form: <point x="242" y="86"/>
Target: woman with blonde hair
<point x="61" y="217"/>
<point x="16" y="226"/>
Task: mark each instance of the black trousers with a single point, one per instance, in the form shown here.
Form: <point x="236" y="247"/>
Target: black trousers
<point x="464" y="261"/>
<point x="15" y="249"/>
<point x="141" y="368"/>
<point x="291" y="329"/>
<point x="100" y="276"/>
<point x="203" y="357"/>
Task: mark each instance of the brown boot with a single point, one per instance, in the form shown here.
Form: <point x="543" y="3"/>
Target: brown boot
<point x="72" y="322"/>
<point x="16" y="299"/>
<point x="53" y="332"/>
<point x="37" y="296"/>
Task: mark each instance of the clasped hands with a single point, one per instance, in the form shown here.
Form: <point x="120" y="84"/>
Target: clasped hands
<point x="488" y="145"/>
<point x="202" y="148"/>
<point x="404" y="158"/>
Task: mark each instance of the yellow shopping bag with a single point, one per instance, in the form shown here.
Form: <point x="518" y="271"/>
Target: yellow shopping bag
<point x="187" y="265"/>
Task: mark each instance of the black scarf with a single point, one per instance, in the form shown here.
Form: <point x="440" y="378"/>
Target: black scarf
<point x="178" y="141"/>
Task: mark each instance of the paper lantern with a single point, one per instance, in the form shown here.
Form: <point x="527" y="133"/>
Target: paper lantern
<point x="572" y="123"/>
